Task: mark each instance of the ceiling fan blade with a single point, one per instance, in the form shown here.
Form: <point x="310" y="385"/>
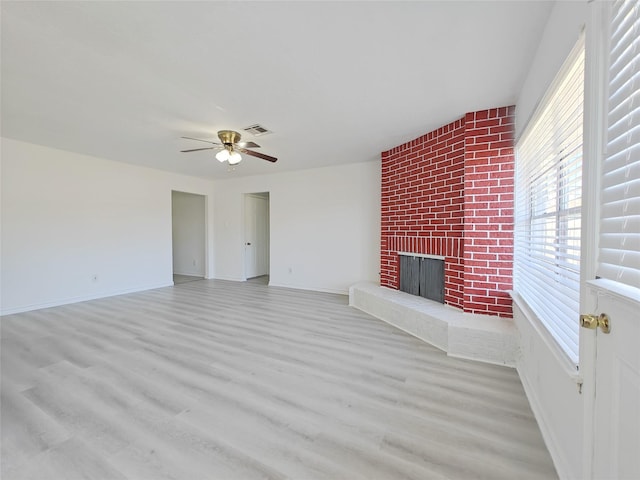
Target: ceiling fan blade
<point x="247" y="145"/>
<point x="257" y="154"/>
<point x="197" y="149"/>
<point x="200" y="140"/>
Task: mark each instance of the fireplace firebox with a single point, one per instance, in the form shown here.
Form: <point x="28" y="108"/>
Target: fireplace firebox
<point x="422" y="275"/>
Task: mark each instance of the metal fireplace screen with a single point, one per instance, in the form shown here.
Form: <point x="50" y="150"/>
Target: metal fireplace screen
<point x="423" y="277"/>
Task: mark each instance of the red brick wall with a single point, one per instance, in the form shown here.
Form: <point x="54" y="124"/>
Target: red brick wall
<point x="422" y="204"/>
<point x="452" y="190"/>
<point x="488" y="211"/>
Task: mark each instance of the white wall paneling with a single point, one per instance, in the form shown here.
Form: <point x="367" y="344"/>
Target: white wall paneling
<point x="553" y="391"/>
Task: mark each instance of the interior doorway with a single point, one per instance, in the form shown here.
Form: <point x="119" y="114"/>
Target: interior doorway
<point x="256" y="235"/>
<point x="188" y="235"/>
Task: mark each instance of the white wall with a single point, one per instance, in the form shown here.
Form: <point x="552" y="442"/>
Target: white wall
<point x="188" y="215"/>
<point x="561" y="33"/>
<point x="325" y="226"/>
<point x="549" y="382"/>
<point x="68" y="217"/>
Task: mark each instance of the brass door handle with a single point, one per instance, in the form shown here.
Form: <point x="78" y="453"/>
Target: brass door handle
<point x="592" y="322"/>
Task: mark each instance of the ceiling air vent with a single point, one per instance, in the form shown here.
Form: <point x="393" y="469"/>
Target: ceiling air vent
<point x="257" y="130"/>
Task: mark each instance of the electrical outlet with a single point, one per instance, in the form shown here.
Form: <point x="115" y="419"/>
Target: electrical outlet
<point x="290" y="270"/>
<point x="194" y="262"/>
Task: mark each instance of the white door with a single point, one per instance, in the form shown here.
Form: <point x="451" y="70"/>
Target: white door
<point x="612" y="376"/>
<point x="256" y="244"/>
<point x="250" y="228"/>
<point x="616" y="406"/>
<point x="262" y="235"/>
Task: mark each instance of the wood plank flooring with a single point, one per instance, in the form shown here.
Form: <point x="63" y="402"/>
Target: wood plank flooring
<point x="223" y="380"/>
<point x="178" y="279"/>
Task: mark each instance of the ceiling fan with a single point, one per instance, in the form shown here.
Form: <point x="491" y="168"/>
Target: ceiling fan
<point x="229" y="147"/>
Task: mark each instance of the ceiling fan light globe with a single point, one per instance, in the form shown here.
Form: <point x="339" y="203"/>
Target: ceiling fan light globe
<point x="222" y="155"/>
<point x="234" y="158"/>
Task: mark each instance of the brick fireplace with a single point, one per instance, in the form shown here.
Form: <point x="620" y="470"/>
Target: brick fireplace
<point x="449" y="193"/>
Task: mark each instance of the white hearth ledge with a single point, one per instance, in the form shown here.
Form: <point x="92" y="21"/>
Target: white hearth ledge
<point x="484" y="338"/>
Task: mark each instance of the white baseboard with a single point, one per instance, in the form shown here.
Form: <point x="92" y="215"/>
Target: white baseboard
<point x="81" y="298"/>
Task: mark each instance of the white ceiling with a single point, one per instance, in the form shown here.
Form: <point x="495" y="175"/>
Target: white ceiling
<point x="336" y="82"/>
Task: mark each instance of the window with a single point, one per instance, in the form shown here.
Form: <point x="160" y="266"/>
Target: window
<point x="548" y="184"/>
<point x="619" y="246"/>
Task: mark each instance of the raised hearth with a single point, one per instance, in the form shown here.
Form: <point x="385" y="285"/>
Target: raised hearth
<point x="485" y="338"/>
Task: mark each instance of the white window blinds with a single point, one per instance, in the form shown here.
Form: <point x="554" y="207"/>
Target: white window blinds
<point x="548" y="183"/>
<point x="619" y="247"/>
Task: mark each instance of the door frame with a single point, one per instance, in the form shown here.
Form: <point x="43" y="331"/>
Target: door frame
<point x="207" y="253"/>
<point x="595" y="108"/>
<point x="263" y="195"/>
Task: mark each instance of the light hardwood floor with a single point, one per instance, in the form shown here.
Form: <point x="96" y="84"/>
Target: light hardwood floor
<point x="224" y="380"/>
<point x="178" y="279"/>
